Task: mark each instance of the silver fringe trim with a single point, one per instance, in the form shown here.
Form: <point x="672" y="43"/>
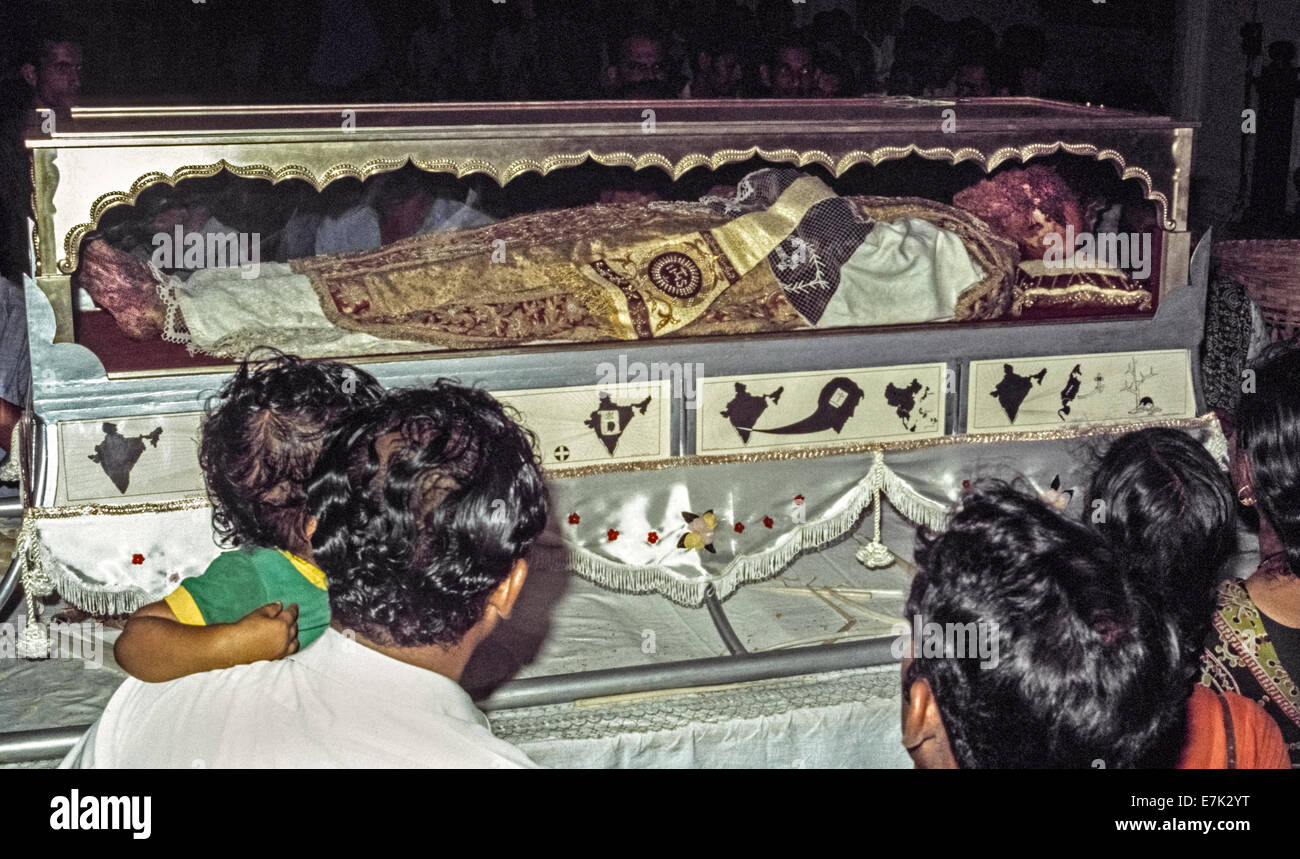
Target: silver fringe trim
<point x="95" y="600"/>
<point x="12" y="469"/>
<point x="912" y="505"/>
<point x="743" y="569"/>
<point x="42" y="575"/>
<point x="31" y="561"/>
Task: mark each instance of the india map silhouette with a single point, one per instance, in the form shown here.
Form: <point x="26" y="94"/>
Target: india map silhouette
<point x="117" y="454"/>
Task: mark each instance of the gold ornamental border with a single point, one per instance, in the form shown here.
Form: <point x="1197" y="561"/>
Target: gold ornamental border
<point x="462" y="167"/>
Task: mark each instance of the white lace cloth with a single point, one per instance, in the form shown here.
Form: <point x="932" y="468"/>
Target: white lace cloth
<point x="227" y="315"/>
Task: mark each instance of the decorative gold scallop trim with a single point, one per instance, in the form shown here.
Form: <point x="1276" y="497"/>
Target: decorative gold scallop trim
<point x="468" y="166"/>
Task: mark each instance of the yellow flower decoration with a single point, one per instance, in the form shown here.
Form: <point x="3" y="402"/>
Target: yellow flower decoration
<point x="699" y="534"/>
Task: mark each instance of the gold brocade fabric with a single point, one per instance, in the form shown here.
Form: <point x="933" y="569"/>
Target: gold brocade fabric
<point x="516" y="282"/>
<point x="589" y="274"/>
<point x="651" y="285"/>
<point x="509" y="282"/>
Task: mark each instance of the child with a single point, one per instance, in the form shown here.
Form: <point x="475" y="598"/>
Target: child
<point x="264" y="599"/>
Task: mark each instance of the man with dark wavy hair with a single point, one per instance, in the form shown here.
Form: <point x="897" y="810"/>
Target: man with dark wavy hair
<point x="1087" y="670"/>
<point x="424" y="506"/>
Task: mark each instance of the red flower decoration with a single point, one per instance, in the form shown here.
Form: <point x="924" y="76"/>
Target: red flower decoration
<point x="768" y="522"/>
<point x="965" y="486"/>
<point x="740" y="527"/>
<point x="798" y="499"/>
<point x="612" y="535"/>
<point x="137" y="559"/>
<point x="653" y="537"/>
<point x="574" y="518"/>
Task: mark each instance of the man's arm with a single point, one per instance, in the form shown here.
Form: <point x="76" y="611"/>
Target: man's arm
<point x="155" y="646"/>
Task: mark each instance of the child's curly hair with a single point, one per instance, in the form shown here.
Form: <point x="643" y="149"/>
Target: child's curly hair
<point x="261" y="440"/>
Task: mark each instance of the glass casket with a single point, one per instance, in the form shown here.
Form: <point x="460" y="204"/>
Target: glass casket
<point x="745" y="406"/>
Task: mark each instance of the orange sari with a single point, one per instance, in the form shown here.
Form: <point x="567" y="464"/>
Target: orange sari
<point x="1228" y="731"/>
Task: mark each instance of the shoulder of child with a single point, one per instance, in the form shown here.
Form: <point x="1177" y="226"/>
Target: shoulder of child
<point x="235" y="571"/>
<point x="241" y="560"/>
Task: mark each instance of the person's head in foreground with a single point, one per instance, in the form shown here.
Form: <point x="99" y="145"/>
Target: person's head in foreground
<point x="426" y="505"/>
<point x="1159" y="496"/>
<point x="1267" y="461"/>
<point x="1085" y="669"/>
<point x="427" y="501"/>
<point x="261" y="441"/>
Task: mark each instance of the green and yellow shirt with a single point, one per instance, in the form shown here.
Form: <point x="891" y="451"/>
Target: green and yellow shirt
<point x="248" y="578"/>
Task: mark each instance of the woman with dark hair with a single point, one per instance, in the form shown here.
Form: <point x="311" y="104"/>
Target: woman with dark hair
<point x="1082" y="665"/>
<point x="1255" y="646"/>
<point x="1165" y="500"/>
<point x="1167" y="506"/>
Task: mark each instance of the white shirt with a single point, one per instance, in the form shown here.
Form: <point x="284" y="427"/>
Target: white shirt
<point x="336" y="704"/>
<point x="358" y="229"/>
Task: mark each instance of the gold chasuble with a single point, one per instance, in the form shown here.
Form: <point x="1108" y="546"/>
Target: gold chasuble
<point x="532" y="278"/>
<point x="631" y="271"/>
<point x="650" y="286"/>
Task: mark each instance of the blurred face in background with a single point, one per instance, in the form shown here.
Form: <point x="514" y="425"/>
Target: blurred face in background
<point x="973" y="82"/>
<point x="793" y="75"/>
<point x="642" y="62"/>
<point x="723" y="75"/>
<point x="1032" y="83"/>
<point x="57" y="79"/>
<point x="641" y="70"/>
<point x="828" y="85"/>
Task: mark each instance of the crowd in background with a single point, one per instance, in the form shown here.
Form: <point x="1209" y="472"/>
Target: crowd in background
<point x="230" y="51"/>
